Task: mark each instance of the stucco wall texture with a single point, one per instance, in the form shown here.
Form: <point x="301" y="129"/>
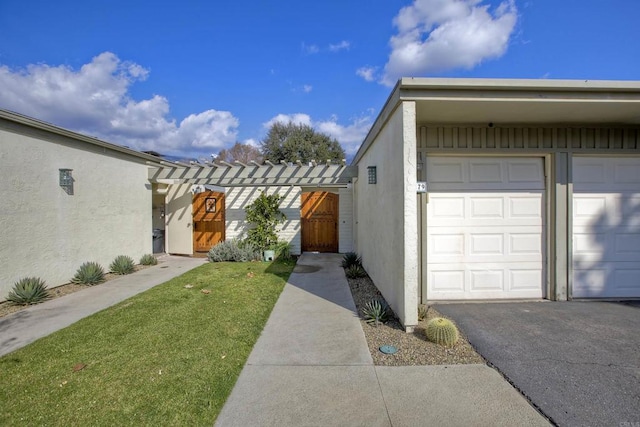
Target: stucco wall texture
<point x="386" y="227"/>
<point x="48" y="233"/>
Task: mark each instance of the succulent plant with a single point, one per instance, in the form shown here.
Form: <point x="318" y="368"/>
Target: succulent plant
<point x="148" y="259"/>
<point x="30" y="290"/>
<point x="422" y="311"/>
<point x="89" y="273"/>
<point x="351" y="258"/>
<point x="441" y="331"/>
<point x="122" y="265"/>
<point x="375" y="312"/>
<point x="355" y="272"/>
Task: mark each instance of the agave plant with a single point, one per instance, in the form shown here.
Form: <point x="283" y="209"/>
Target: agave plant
<point x="89" y="273"/>
<point x="30" y="290"/>
<point x="122" y="265"/>
<point x="375" y="312"/>
<point x="148" y="259"/>
<point x="355" y="272"/>
<point x="351" y="258"/>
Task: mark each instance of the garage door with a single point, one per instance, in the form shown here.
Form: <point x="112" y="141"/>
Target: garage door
<point x="606" y="227"/>
<point x="485" y="222"/>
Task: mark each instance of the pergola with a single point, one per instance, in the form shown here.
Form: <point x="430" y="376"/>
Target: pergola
<point x="238" y="174"/>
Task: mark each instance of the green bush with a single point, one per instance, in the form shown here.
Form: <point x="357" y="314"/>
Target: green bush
<point x="264" y="215"/>
<point x="355" y="272"/>
<point x="351" y="258"/>
<point x="30" y="290"/>
<point x="441" y="331"/>
<point x="122" y="265"/>
<point x="282" y="250"/>
<point x="375" y="312"/>
<point x="234" y="250"/>
<point x="89" y="273"/>
<point x="148" y="259"/>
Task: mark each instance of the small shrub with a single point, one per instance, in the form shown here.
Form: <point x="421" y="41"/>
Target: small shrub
<point x="122" y="265"/>
<point x="89" y="273"/>
<point x="441" y="331"/>
<point x="148" y="259"/>
<point x="355" y="272"/>
<point x="282" y="250"/>
<point x="423" y="310"/>
<point x="375" y="312"/>
<point x="351" y="258"/>
<point x="30" y="290"/>
<point x="234" y="250"/>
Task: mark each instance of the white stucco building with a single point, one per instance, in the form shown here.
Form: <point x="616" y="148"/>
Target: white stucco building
<point x="530" y="189"/>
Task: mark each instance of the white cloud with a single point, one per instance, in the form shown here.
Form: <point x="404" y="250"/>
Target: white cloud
<point x="343" y="45"/>
<point x="298" y="119"/>
<point x="438" y="35"/>
<point x="95" y="100"/>
<point x="367" y="73"/>
<point x="307" y="88"/>
<point x="349" y="135"/>
<point x="310" y="49"/>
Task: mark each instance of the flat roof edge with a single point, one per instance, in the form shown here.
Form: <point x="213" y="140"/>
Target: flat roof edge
<point x="519" y="84"/>
<point x="48" y="127"/>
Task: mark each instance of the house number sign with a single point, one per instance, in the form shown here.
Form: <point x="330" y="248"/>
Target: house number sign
<point x="422" y="187"/>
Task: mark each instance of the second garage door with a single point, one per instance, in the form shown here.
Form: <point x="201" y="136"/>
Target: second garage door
<point x="606" y="227"/>
<point x="485" y="227"/>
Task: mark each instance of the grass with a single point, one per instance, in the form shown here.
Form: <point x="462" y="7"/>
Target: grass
<point x="169" y="356"/>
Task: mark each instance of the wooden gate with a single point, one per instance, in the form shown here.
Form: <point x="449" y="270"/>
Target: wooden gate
<point x="208" y="220"/>
<point x="319" y="215"/>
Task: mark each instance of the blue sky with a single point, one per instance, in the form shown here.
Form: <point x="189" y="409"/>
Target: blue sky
<point x="190" y="78"/>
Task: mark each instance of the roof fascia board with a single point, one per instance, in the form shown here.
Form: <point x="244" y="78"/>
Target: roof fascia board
<point x="537" y="85"/>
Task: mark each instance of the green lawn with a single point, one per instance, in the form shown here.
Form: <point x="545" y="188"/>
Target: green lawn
<point x="169" y="356"/>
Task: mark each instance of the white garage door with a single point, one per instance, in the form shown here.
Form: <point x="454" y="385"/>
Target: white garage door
<point x="485" y="222"/>
<point x="606" y="227"/>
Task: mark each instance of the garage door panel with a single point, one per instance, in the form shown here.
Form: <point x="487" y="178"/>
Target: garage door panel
<point x="606" y="227"/>
<point x="485" y="281"/>
<point x="485" y="174"/>
<point x="486" y="209"/>
<point x="521" y="244"/>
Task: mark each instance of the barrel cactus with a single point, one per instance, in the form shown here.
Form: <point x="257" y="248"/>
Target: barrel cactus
<point x="441" y="331"/>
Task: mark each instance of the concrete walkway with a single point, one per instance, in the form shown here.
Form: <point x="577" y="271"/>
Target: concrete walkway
<point x="24" y="327"/>
<point x="311" y="367"/>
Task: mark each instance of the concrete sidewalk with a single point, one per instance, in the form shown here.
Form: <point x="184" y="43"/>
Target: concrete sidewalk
<point x="311" y="367"/>
<point x="24" y="327"/>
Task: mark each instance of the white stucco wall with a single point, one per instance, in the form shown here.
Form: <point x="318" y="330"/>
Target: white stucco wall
<point x="179" y="220"/>
<point x="387" y="225"/>
<point x="237" y="198"/>
<point x="47" y="233"/>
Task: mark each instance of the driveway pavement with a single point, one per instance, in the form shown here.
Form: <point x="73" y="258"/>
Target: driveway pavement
<point x="578" y="362"/>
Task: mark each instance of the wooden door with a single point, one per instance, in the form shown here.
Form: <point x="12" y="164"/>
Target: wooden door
<point x="319" y="214"/>
<point x="208" y="220"/>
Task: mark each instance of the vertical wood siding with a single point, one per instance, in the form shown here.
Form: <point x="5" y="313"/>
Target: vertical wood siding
<point x="470" y="138"/>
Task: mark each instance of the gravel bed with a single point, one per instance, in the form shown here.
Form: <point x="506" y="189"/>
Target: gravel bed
<point x="413" y="348"/>
<point x="7" y="308"/>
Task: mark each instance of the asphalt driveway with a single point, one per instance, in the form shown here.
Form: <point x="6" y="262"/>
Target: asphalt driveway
<point x="578" y="362"/>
